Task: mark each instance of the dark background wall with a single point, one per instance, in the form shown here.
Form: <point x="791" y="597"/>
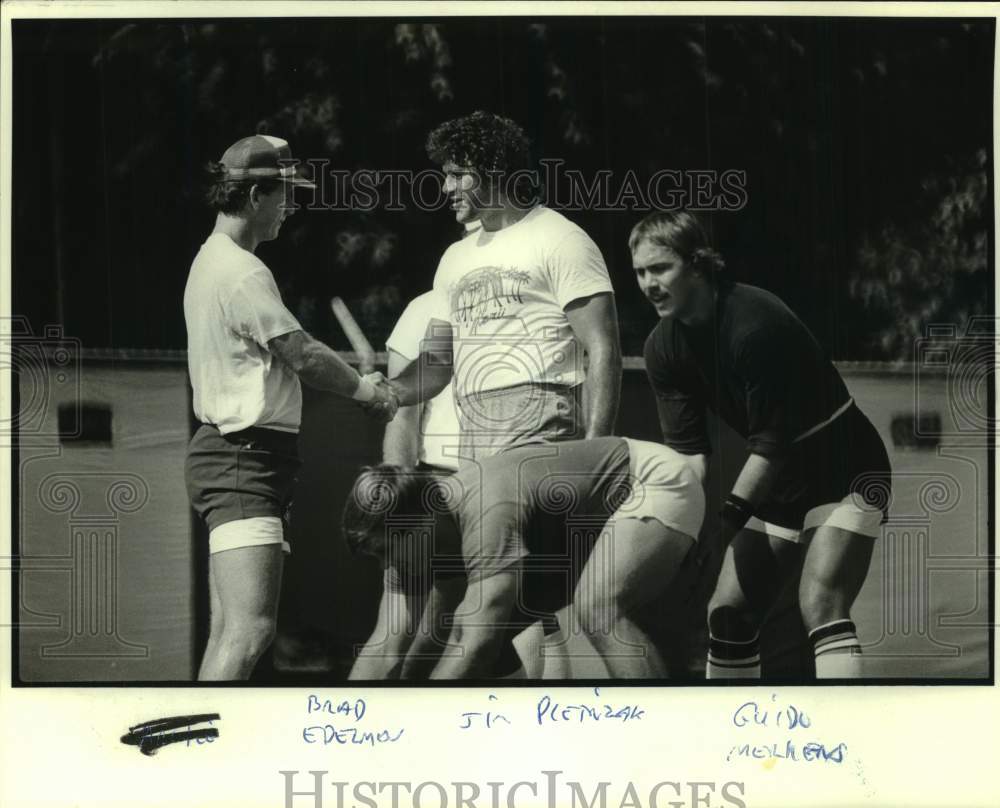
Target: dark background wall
<point x="922" y="612"/>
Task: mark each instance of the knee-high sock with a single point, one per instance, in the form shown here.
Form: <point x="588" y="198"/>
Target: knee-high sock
<point x="733" y="660"/>
<point x="837" y="650"/>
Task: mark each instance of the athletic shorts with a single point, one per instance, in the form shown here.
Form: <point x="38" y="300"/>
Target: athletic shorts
<point x="840" y="477"/>
<point x="241" y="484"/>
<point x="497" y="420"/>
<point x="663" y="487"/>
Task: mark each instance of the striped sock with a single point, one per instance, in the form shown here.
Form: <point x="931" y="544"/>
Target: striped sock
<point x="728" y="659"/>
<point x="838" y="652"/>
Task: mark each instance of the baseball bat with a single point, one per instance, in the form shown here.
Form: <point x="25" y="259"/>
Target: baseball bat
<point x="359" y="342"/>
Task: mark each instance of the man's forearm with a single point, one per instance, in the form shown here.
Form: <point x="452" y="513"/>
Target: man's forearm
<point x="430" y="638"/>
<point x="752" y="486"/>
<point x="321" y="367"/>
<point x="471" y="653"/>
<point x="400" y="445"/>
<point x="756" y="478"/>
<point x="375" y="664"/>
<point x="422" y="379"/>
<point x="603" y="387"/>
<point x="423" y="656"/>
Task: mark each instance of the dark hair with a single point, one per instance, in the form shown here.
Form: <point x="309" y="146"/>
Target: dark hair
<point x="381" y="490"/>
<point x="224" y="195"/>
<point x="492" y="146"/>
<point x="683" y="233"/>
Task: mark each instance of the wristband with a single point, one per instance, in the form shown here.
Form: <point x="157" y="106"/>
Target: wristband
<point x="365" y="391"/>
<point x="736" y="512"/>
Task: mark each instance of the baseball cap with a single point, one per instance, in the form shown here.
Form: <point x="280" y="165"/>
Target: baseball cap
<point x="264" y="157"/>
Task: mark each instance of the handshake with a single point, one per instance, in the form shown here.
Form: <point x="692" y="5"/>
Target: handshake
<point x="384" y="405"/>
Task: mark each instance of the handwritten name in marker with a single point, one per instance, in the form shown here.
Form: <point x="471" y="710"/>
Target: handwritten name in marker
<point x="811" y="751"/>
<point x="551" y="712"/>
<point x="487" y="720"/>
<point x="327" y="734"/>
<point x="768" y="717"/>
<point x="772" y="714"/>
<point x="349" y="712"/>
<point x="354" y="710"/>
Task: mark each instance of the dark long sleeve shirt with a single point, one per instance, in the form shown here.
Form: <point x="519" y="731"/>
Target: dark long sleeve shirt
<point x="755" y="365"/>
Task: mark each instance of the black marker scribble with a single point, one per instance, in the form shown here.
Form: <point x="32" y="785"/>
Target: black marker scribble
<point x="152" y="735"/>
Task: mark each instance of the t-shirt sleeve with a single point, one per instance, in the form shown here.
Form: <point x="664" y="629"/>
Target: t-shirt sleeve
<point x="409" y="331"/>
<point x="576" y="269"/>
<point x="766" y="361"/>
<point x="441" y="273"/>
<point x="681" y="410"/>
<point x="255" y="311"/>
<point x="407" y="337"/>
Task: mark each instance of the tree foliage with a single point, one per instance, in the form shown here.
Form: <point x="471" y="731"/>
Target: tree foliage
<point x="866" y="145"/>
<point x="932" y="267"/>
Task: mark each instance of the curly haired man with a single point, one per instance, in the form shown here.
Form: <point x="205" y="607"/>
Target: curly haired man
<point x="522" y="302"/>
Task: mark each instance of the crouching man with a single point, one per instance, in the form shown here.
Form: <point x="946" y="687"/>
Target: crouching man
<point x="469" y="559"/>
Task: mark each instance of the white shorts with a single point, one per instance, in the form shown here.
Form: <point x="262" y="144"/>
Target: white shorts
<point x="250" y="532"/>
<point x="664" y="487"/>
<point x="851" y="513"/>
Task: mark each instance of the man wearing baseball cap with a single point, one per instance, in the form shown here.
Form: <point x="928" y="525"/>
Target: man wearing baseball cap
<point x="247" y="355"/>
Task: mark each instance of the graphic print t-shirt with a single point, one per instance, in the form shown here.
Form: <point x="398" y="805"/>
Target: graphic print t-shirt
<point x="506" y="292"/>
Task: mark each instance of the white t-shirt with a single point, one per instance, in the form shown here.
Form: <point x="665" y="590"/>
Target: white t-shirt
<point x="439" y="426"/>
<point x="232" y="307"/>
<point x="506" y="292"/>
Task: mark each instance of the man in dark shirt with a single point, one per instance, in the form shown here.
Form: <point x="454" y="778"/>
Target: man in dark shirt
<point x="816" y="486"/>
<point x="625" y="511"/>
